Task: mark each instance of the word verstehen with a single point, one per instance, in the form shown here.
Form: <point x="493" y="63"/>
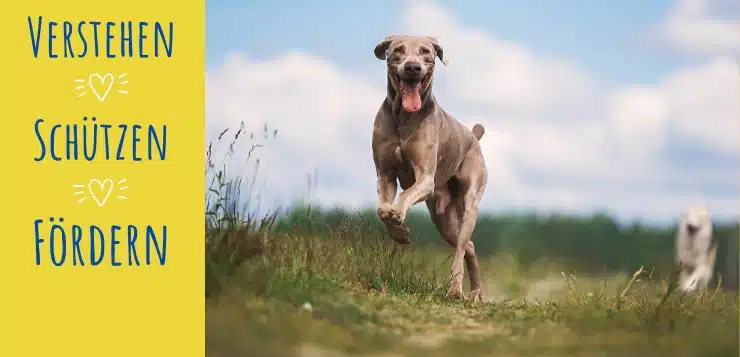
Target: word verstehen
<point x="108" y="39"/>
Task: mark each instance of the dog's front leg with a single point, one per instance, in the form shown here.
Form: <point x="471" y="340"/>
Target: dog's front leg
<point x="387" y="188"/>
<point x="422" y="156"/>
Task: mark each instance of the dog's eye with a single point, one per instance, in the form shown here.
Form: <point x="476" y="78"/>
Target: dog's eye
<point x="424" y="51"/>
<point x="399" y="50"/>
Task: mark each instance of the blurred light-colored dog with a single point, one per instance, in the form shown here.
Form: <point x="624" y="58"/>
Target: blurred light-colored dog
<point x="696" y="251"/>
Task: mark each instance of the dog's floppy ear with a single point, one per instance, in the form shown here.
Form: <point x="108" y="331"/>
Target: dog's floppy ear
<point x="438" y="49"/>
<point x="382" y="47"/>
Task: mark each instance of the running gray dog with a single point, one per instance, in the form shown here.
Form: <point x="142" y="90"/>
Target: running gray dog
<point x="434" y="157"/>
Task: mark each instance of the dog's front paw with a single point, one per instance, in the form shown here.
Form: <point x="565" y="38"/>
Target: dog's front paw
<point x="396" y="217"/>
<point x="400" y="233"/>
<point x="394" y="222"/>
<point x="384" y="213"/>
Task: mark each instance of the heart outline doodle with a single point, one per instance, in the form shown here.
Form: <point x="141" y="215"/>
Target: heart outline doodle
<point x="101" y="185"/>
<point x="102" y="79"/>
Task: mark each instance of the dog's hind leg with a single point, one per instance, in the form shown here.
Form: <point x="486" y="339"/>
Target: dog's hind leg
<point x="471" y="262"/>
<point x="450" y="221"/>
<point x="448" y="225"/>
<point x="456" y="226"/>
<point x="472" y="179"/>
<point x="464" y="249"/>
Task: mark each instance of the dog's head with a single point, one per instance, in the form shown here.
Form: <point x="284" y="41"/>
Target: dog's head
<point x="410" y="62"/>
<point x="696" y="218"/>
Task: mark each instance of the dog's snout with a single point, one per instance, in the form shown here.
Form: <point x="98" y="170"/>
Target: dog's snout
<point x="412" y="68"/>
<point x="692" y="228"/>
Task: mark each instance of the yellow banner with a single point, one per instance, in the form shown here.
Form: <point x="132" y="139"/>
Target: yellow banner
<point x="104" y="113"/>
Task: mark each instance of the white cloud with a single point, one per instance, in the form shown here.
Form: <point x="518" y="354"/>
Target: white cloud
<point x="322" y="116"/>
<point x="705" y="103"/>
<point x="702" y="27"/>
<point x="640" y="114"/>
<point x="505" y="78"/>
<point x="570" y="145"/>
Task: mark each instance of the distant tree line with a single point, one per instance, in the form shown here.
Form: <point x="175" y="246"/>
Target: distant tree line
<point x="589" y="245"/>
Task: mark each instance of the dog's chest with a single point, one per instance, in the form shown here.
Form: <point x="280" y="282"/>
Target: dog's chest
<point x="405" y="171"/>
<point x="448" y="157"/>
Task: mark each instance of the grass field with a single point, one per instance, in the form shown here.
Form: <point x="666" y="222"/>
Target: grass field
<point x="366" y="297"/>
<point x="350" y="290"/>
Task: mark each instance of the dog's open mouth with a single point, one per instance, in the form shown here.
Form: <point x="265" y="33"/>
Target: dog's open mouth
<point x="410" y="90"/>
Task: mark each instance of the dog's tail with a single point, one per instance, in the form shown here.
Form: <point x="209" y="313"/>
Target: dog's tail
<point x="478" y="131"/>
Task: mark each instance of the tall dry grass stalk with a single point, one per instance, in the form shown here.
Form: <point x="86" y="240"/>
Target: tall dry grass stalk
<point x="234" y="230"/>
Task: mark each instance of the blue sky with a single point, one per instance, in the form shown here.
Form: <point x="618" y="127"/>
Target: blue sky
<point x="604" y="39"/>
<point x="620" y="105"/>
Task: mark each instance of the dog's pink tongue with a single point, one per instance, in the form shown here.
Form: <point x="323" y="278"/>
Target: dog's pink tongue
<point x="411" y="100"/>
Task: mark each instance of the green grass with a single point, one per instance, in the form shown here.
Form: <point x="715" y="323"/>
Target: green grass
<point x="368" y="296"/>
